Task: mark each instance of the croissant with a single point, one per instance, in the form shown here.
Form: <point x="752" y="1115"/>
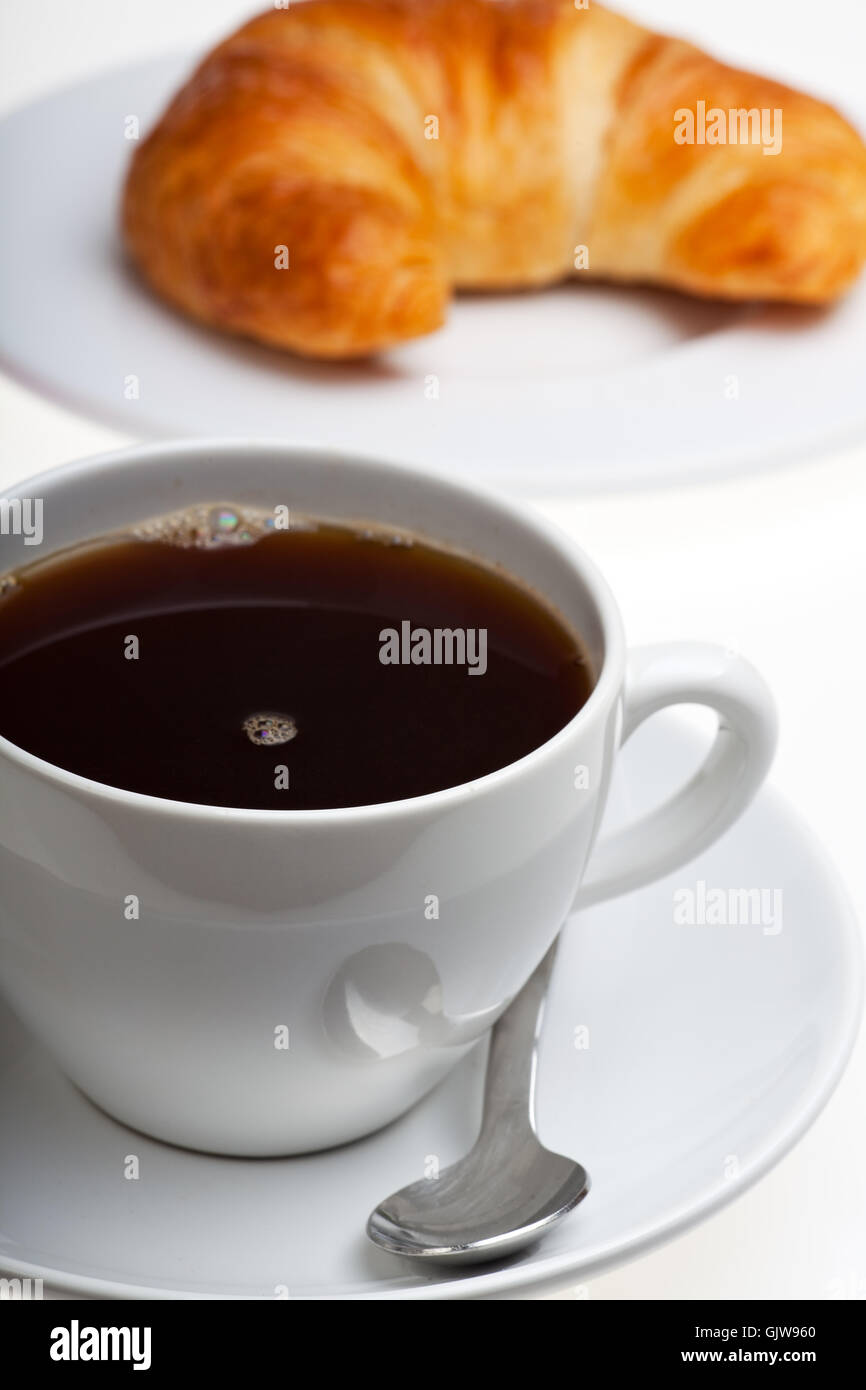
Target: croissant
<point x="335" y="170"/>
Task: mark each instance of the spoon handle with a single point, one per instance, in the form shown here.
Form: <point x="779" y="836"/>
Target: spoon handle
<point x="509" y="1088"/>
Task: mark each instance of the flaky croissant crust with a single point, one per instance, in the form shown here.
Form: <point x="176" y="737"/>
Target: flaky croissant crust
<point x="333" y="171"/>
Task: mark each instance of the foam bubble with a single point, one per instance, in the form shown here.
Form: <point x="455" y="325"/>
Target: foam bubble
<point x="379" y="535"/>
<point x="217" y="525"/>
<point x="269" y="729"/>
<point x="210" y="527"/>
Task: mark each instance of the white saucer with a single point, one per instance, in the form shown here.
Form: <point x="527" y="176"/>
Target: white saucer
<point x="580" y="386"/>
<point x="711" y="1050"/>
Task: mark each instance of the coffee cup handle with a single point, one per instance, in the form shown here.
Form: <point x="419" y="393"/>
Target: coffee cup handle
<point x="692" y="673"/>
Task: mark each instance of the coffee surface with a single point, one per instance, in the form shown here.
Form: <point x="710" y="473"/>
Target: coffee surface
<point x="316" y="666"/>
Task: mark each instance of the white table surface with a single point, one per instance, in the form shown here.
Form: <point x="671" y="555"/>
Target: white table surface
<point x="773" y="565"/>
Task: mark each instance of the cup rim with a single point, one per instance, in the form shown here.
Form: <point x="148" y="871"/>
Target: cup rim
<point x="568" y="550"/>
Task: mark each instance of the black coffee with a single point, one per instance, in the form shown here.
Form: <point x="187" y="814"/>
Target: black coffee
<point x="222" y="659"/>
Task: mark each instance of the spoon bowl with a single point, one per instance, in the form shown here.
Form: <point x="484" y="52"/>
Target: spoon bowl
<point x="477" y="1210"/>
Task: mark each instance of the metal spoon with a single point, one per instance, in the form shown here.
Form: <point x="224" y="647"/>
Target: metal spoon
<point x="509" y="1191"/>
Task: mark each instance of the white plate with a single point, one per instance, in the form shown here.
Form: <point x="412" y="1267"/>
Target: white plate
<point x="711" y="1050"/>
<point x="582" y="385"/>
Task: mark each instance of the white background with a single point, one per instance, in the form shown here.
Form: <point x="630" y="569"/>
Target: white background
<point x="774" y="565"/>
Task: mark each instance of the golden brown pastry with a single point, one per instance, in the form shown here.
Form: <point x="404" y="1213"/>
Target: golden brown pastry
<point x="335" y="170"/>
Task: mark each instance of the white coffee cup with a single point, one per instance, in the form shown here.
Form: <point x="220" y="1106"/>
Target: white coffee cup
<point x="286" y="984"/>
